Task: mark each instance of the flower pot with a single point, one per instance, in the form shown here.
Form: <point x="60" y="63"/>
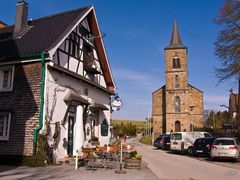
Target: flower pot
<point x="132" y="163"/>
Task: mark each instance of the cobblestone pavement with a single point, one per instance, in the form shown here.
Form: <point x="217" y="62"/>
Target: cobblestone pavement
<point x="67" y="172"/>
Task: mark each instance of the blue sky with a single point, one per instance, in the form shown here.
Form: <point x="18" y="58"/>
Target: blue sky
<point x="137" y="31"/>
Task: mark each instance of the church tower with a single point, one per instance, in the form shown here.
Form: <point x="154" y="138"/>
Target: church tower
<point x="176" y="76"/>
<point x="177" y="106"/>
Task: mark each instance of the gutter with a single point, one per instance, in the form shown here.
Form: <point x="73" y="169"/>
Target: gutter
<point x="37" y="129"/>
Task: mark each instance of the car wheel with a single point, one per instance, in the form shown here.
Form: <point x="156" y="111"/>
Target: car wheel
<point x="190" y="151"/>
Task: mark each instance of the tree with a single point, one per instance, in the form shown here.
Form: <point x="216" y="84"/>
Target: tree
<point x="227" y="46"/>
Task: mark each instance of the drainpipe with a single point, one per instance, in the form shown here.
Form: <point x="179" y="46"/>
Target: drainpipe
<point x="36" y="131"/>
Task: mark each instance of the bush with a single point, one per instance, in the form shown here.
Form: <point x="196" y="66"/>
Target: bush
<point x="146" y="140"/>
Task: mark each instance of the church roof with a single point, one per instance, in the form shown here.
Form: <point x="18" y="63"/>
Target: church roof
<point x="176" y="41"/>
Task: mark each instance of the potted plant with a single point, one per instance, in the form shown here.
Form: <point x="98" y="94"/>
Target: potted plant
<point x="94" y="141"/>
<point x="133" y="160"/>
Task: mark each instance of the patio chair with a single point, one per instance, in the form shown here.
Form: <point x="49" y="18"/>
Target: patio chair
<point x="92" y="159"/>
<point x="111" y="156"/>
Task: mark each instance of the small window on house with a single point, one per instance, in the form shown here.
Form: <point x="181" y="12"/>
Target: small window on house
<point x="73" y="45"/>
<point x="177" y="104"/>
<point x="6" y="78"/>
<point x="4" y="126"/>
<point x="176" y="81"/>
<point x="88" y="57"/>
<point x="176" y="62"/>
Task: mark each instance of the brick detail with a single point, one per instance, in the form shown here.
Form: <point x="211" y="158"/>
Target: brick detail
<point x="25" y="101"/>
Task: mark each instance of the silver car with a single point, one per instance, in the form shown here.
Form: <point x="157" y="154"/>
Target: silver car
<point x="225" y="148"/>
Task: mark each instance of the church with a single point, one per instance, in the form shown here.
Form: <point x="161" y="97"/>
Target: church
<point x="176" y="106"/>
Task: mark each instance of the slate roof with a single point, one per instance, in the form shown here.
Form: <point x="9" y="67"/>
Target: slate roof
<point x="42" y="34"/>
<point x="176" y="41"/>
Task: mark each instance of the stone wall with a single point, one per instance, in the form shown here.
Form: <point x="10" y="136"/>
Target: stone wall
<point x="24" y="101"/>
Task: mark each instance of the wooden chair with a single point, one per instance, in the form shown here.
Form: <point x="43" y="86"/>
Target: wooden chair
<point x="111" y="156"/>
<point x="92" y="159"/>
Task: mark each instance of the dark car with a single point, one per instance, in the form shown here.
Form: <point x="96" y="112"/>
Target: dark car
<point x="165" y="142"/>
<point x="202" y="146"/>
<point x="162" y="142"/>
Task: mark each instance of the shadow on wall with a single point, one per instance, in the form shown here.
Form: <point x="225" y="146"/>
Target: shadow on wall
<point x="24" y="103"/>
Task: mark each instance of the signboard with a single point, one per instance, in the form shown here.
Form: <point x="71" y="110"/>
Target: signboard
<point x="104" y="128"/>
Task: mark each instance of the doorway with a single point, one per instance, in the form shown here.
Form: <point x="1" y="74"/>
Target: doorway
<point x="177" y="126"/>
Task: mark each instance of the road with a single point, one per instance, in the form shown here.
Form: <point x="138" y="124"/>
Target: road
<point x="167" y="166"/>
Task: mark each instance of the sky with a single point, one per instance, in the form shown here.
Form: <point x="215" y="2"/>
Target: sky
<point x="137" y="31"/>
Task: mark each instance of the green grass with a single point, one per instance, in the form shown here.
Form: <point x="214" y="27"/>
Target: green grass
<point x="146" y="140"/>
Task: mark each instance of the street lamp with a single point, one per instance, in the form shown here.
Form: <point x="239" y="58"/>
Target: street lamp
<point x="191" y="108"/>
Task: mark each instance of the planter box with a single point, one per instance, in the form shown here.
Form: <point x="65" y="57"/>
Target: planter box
<point x="132" y="163"/>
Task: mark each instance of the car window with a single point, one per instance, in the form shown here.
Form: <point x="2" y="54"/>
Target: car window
<point x="238" y="142"/>
<point x="167" y="138"/>
<point x="223" y="142"/>
<point x="198" y="141"/>
<point x="176" y="136"/>
<point x="207" y="135"/>
<point x="209" y="141"/>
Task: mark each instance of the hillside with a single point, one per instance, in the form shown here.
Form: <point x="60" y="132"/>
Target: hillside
<point x="139" y="124"/>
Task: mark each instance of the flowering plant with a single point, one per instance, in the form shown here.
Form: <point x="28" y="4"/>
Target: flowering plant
<point x="134" y="155"/>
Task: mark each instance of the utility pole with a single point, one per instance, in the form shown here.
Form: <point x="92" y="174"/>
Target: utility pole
<point x="146" y="127"/>
<point x="191" y="108"/>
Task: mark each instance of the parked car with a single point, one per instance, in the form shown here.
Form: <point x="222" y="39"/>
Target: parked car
<point x="183" y="141"/>
<point x="225" y="148"/>
<point x="165" y="145"/>
<point x="202" y="146"/>
<point x="127" y="136"/>
<point x="158" y="142"/>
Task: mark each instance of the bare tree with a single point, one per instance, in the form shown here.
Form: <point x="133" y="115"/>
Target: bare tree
<point x="227" y="46"/>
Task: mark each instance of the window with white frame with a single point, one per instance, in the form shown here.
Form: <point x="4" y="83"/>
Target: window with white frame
<point x="4" y="125"/>
<point x="6" y="78"/>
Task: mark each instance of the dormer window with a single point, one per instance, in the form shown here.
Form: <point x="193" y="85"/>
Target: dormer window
<point x="176" y="62"/>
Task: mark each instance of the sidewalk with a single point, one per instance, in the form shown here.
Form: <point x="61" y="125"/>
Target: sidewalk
<point x="67" y="172"/>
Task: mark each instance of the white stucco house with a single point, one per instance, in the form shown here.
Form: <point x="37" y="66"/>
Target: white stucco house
<point x="65" y="78"/>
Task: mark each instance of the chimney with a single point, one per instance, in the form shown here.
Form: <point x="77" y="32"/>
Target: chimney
<point x="21" y="17"/>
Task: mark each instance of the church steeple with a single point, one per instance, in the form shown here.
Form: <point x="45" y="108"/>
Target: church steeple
<point x="175" y="39"/>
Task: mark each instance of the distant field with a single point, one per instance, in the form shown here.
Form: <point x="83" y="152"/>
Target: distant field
<point x="139" y="124"/>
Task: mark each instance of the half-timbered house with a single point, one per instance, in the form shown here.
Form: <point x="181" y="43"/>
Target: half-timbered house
<point x="55" y="79"/>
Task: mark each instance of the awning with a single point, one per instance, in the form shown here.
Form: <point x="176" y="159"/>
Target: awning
<point x="71" y="96"/>
<point x="98" y="106"/>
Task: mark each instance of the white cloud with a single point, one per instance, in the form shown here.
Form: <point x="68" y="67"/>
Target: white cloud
<point x="213" y="101"/>
<point x="137" y="79"/>
<point x="216" y="99"/>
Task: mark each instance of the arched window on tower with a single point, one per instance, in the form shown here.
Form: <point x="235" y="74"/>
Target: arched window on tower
<point x="176" y="62"/>
<point x="177" y="104"/>
<point x="176" y="81"/>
